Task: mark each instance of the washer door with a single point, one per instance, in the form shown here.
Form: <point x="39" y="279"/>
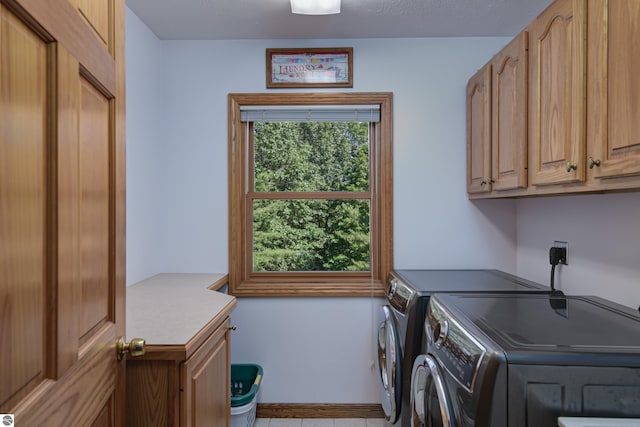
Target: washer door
<point x="429" y="402"/>
<point x="389" y="364"/>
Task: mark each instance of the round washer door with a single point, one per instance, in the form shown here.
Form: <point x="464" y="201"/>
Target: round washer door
<point x="389" y="364"/>
<point x="429" y="402"/>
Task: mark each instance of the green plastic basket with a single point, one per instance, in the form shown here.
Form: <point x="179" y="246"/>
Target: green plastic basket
<point x="245" y="382"/>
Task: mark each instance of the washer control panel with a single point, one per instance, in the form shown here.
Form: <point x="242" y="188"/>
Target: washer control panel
<point x="399" y="294"/>
<point x="456" y="349"/>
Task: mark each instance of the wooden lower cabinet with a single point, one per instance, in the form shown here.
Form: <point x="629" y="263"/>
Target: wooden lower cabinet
<point x="205" y="383"/>
<point x="182" y="385"/>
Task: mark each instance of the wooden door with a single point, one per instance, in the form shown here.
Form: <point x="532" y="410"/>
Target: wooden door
<point x="557" y="84"/>
<point x="614" y="122"/>
<point x="509" y="115"/>
<point x="479" y="131"/>
<point x="61" y="211"/>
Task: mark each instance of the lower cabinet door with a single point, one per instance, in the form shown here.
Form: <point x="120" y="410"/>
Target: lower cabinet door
<point x="206" y="383"/>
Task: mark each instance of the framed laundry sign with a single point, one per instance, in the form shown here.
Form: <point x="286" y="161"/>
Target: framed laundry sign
<point x="310" y="67"/>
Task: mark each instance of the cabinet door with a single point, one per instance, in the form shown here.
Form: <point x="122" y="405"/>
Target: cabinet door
<point x="206" y="383"/>
<point x="479" y="131"/>
<point x="557" y="107"/>
<point x="509" y="115"/>
<point x="616" y="87"/>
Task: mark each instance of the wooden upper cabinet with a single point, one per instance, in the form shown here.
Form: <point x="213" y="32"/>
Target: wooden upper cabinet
<point x="479" y="132"/>
<point x="557" y="104"/>
<point x="509" y="115"/>
<point x="497" y="122"/>
<point x="614" y="115"/>
<point x="559" y="143"/>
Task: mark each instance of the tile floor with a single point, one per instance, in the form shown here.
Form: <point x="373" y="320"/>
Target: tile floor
<point x="320" y="422"/>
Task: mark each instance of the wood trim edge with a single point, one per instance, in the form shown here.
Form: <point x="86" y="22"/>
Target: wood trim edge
<point x="249" y="289"/>
<point x="218" y="284"/>
<point x="239" y="283"/>
<point x="319" y="410"/>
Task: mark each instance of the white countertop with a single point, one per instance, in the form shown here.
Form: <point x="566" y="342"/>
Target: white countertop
<point x="598" y="422"/>
<point x="169" y="309"/>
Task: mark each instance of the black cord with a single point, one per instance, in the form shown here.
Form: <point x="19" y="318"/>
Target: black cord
<point x="556" y="256"/>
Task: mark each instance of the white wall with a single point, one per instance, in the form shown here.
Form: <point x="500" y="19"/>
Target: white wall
<point x="319" y="350"/>
<point x="428" y="79"/>
<point x="603" y="233"/>
<point x="145" y="153"/>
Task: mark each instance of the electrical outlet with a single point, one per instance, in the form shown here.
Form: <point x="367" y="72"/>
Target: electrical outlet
<point x="565" y="245"/>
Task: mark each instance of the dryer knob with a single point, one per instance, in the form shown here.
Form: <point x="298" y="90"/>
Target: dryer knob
<point x="440" y="333"/>
<point x="393" y="288"/>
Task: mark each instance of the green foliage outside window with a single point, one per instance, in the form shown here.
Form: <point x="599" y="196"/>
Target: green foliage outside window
<point x="311" y="234"/>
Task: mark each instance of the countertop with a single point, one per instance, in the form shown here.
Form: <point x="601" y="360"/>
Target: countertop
<point x="598" y="422"/>
<point x="170" y="309"/>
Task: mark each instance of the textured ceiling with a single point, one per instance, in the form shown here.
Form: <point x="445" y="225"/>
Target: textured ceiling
<point x="272" y="19"/>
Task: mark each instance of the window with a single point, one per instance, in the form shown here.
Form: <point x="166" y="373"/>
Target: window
<point x="310" y="193"/>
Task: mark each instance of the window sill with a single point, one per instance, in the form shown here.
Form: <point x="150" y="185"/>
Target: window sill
<point x="308" y="289"/>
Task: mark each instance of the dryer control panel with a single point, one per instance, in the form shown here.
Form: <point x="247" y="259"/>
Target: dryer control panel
<point x="456" y="349"/>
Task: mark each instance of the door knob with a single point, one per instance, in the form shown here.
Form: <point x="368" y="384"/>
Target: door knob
<point x="134" y="348"/>
<point x="571" y="166"/>
<point x="593" y="162"/>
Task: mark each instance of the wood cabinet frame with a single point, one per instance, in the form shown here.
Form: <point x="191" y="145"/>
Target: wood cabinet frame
<point x="182" y="385"/>
<point x="600" y="108"/>
<point x="497" y="122"/>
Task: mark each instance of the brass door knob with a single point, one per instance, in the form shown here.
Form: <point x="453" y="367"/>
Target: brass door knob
<point x="483" y="183"/>
<point x="592" y="162"/>
<point x="134" y="348"/>
<point x="571" y="166"/>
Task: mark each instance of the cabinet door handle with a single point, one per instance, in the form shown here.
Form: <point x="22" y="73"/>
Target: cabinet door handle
<point x="571" y="166"/>
<point x="593" y="162"/>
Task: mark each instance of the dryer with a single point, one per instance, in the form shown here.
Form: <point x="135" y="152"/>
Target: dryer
<point x="400" y="324"/>
<point x="524" y="360"/>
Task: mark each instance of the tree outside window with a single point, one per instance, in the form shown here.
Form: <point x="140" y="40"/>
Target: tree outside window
<point x="315" y="159"/>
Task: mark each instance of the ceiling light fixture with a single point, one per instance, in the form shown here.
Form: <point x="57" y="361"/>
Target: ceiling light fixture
<point x="315" y="7"/>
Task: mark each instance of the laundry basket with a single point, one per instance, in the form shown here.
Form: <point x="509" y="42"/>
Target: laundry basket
<point x="245" y="384"/>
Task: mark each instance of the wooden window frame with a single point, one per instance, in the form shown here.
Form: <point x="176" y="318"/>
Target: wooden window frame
<point x="243" y="282"/>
